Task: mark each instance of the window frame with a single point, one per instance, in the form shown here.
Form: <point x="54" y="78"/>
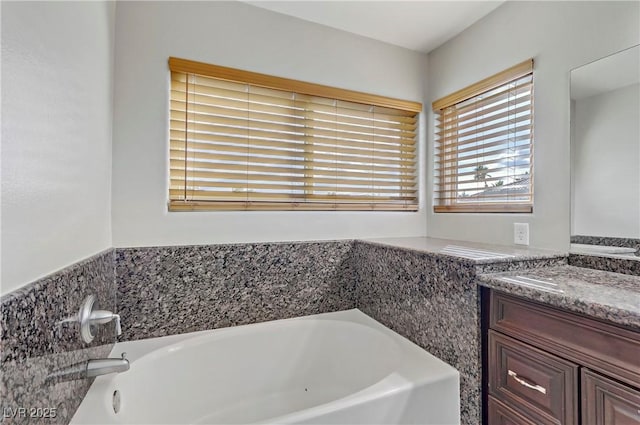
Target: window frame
<point x="188" y="67"/>
<point x="446" y="191"/>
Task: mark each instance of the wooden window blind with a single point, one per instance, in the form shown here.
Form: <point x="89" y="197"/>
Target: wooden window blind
<point x="484" y="145"/>
<point x="246" y="141"/>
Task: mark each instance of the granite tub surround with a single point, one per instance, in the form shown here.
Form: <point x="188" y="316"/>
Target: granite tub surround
<point x="609" y="263"/>
<point x="432" y="301"/>
<point x="613" y="297"/>
<point x="425" y="289"/>
<point x="34" y="342"/>
<point x="171" y="290"/>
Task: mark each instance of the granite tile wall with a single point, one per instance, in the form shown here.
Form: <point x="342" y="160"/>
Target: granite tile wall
<point x="34" y="342"/>
<point x="169" y="290"/>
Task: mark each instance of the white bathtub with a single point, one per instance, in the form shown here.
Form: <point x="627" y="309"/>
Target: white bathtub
<point x="335" y="368"/>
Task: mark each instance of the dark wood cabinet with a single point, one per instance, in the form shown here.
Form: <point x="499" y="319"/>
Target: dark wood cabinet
<point x="607" y="402"/>
<point x="549" y="366"/>
<point x="542" y="385"/>
<point x="500" y="414"/>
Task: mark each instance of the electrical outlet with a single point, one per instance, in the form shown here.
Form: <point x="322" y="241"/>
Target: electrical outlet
<point x="521" y="233"/>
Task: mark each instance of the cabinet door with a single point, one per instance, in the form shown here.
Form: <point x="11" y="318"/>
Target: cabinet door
<point x="608" y="402"/>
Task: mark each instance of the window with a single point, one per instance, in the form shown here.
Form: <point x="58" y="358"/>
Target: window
<point x="483" y="148"/>
<point x="246" y="141"/>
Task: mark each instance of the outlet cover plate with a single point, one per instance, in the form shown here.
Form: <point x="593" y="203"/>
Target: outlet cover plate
<point x="521" y="233"/>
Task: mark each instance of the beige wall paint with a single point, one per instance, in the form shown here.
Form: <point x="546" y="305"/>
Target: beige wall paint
<point x="241" y="36"/>
<point x="57" y="106"/>
<point x="559" y="36"/>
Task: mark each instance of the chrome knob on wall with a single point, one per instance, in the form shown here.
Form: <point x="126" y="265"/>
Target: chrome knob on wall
<point x="89" y="318"/>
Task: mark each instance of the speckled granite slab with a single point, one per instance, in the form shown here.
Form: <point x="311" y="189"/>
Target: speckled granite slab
<point x="425" y="290"/>
<point x="609" y="263"/>
<point x="169" y="290"/>
<point x="471" y="252"/>
<point x="430" y="300"/>
<point x="33" y="342"/>
<point x="604" y="295"/>
<point x="606" y="241"/>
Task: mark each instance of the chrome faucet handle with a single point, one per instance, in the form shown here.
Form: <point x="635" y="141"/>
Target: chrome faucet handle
<point x="101" y="316"/>
<point x="104" y="316"/>
<point x="89" y="317"/>
<point x="116" y="317"/>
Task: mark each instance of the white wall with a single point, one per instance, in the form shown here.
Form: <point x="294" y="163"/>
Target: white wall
<point x="559" y="36"/>
<point x="56" y="135"/>
<point x="605" y="155"/>
<point x="240" y="36"/>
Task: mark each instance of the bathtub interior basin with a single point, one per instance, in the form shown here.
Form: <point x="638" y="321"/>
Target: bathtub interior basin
<point x="341" y="367"/>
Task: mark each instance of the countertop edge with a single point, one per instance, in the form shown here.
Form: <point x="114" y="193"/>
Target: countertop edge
<point x="468" y="261"/>
<point x="605" y="312"/>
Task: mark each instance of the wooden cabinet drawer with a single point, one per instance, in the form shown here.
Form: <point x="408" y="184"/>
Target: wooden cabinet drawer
<point x="607" y="402"/>
<point x="600" y="346"/>
<point x="541" y="386"/>
<point x="499" y="414"/>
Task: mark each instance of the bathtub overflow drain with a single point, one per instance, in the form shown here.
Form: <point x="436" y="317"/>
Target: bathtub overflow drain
<point x="116" y="401"/>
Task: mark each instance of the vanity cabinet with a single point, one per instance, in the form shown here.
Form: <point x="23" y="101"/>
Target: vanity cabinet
<point x="606" y="401"/>
<point x="549" y="366"/>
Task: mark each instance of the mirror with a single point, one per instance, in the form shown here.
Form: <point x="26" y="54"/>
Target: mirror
<point x="605" y="155"/>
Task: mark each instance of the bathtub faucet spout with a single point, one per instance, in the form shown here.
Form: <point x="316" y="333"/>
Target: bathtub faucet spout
<point x="97" y="367"/>
<point x="90" y="369"/>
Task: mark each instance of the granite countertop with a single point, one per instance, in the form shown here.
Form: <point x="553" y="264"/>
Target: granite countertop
<point x="471" y="252"/>
<point x="613" y="297"/>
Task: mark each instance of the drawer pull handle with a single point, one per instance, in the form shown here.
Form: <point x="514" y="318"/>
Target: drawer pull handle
<point x="524" y="382"/>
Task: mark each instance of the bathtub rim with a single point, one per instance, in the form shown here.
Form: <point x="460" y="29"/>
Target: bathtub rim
<point x="137" y="349"/>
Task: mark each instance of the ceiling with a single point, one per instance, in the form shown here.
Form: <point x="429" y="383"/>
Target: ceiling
<point x="416" y="25"/>
<point x="610" y="73"/>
